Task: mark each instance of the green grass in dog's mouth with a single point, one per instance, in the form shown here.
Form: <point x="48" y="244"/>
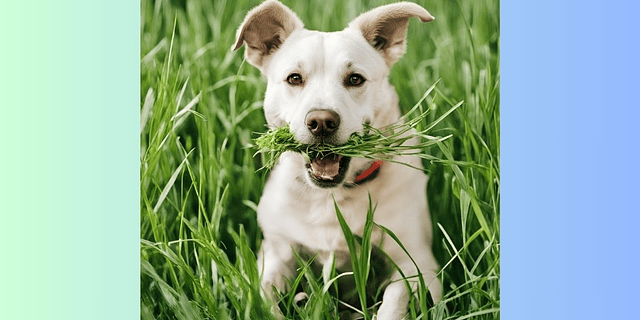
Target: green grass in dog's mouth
<point x="373" y="143"/>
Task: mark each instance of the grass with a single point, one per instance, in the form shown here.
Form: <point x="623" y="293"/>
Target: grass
<point x="200" y="110"/>
<point x="374" y="143"/>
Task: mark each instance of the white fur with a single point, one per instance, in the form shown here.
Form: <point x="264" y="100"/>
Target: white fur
<point x="295" y="214"/>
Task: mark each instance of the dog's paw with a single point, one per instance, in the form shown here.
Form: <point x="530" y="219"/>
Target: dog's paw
<point x="389" y="312"/>
<point x="394" y="302"/>
<point x="300" y="298"/>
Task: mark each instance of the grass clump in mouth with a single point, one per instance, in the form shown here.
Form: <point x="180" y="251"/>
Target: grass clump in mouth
<point x="379" y="144"/>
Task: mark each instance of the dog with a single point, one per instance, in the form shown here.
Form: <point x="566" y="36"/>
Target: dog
<point x="326" y="86"/>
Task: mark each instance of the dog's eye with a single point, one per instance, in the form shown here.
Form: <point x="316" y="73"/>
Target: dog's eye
<point x="294" y="79"/>
<point x="354" y="80"/>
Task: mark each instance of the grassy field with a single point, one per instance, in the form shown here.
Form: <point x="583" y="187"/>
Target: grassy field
<point x="201" y="109"/>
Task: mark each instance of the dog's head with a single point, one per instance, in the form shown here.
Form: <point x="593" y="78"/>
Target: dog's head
<point x="325" y="86"/>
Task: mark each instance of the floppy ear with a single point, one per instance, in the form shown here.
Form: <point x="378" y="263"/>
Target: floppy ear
<point x="385" y="27"/>
<point x="264" y="29"/>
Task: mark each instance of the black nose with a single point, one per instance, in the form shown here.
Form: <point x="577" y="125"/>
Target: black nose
<point x="322" y="122"/>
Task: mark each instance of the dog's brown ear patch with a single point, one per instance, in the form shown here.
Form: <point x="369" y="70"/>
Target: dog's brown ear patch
<point x="264" y="29"/>
<point x="385" y="27"/>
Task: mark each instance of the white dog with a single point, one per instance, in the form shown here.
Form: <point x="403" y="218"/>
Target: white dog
<point x="325" y="86"/>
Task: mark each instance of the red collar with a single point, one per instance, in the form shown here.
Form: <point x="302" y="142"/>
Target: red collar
<point x="374" y="167"/>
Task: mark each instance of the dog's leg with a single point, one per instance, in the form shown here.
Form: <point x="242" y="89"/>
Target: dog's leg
<point x="275" y="263"/>
<point x="396" y="296"/>
<point x="394" y="301"/>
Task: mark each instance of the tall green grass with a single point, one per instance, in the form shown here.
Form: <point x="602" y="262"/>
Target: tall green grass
<point x="200" y="107"/>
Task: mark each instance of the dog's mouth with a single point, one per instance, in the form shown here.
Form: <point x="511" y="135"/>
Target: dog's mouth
<point x="328" y="171"/>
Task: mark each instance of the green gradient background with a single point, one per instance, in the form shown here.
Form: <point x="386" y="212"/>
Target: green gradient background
<point x="69" y="126"/>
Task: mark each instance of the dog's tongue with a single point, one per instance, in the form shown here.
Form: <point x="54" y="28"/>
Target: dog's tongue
<point x="326" y="168"/>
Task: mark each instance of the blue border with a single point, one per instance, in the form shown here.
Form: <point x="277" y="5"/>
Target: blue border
<point x="569" y="175"/>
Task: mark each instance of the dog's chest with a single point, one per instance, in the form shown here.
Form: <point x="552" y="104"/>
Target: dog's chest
<point x="323" y="237"/>
<point x="307" y="217"/>
<point x="311" y="220"/>
<point x="322" y="229"/>
<point x="316" y="228"/>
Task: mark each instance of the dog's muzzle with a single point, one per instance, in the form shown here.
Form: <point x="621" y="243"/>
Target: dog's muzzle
<point x="325" y="171"/>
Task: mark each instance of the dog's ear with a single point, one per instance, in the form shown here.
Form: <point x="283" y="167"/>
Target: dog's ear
<point x="264" y="29"/>
<point x="385" y="27"/>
